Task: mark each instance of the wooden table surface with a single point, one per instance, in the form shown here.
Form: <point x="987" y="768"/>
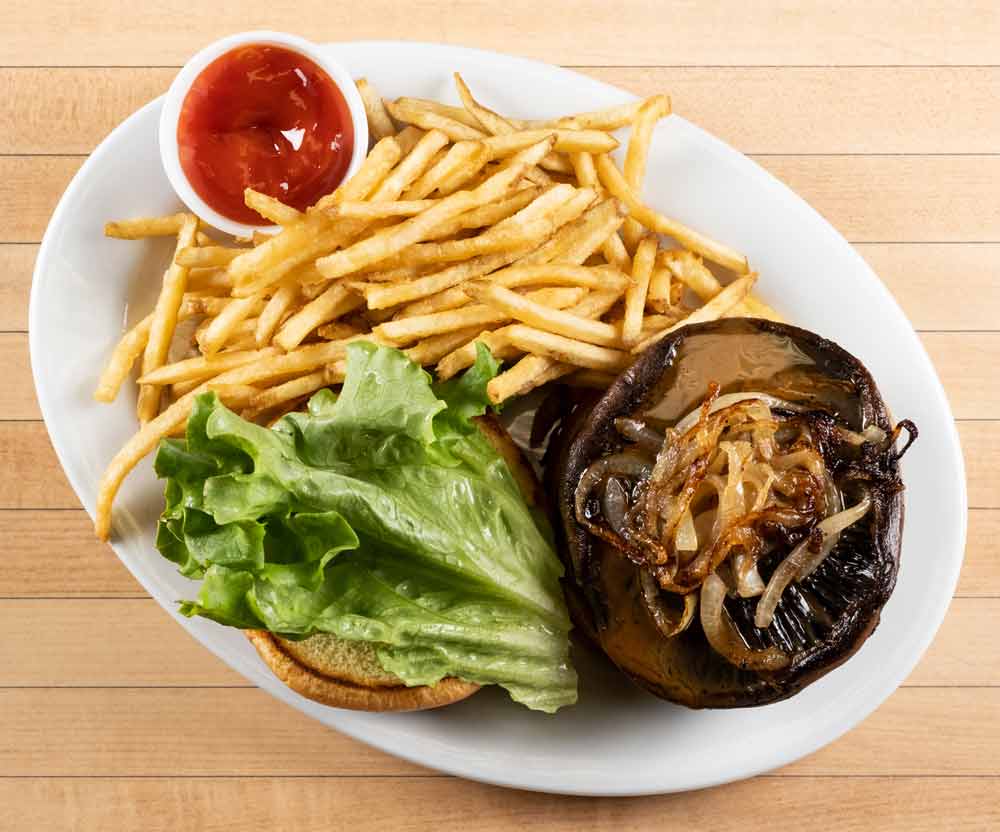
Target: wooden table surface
<point x="885" y="120"/>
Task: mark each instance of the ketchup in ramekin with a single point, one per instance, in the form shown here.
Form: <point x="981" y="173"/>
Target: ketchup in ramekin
<point x="264" y="117"/>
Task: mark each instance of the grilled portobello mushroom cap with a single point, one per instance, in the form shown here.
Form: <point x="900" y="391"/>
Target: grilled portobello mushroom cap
<point x="730" y="512"/>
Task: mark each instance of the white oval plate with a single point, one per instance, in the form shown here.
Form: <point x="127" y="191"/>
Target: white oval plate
<point x="617" y="740"/>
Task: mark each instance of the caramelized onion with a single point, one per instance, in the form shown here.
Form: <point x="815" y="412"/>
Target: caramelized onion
<point x="801" y="562"/>
<point x="724" y="638"/>
<point x="642" y="434"/>
<point x="670" y="622"/>
<point x="729" y="399"/>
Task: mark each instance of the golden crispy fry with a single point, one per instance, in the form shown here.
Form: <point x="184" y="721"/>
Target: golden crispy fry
<point x="373" y="249"/>
<point x="460" y="156"/>
<point x="417" y="161"/>
<point x="223" y="326"/>
<point x="450" y="111"/>
<point x="271" y="209"/>
<point x="404" y="330"/>
<point x="714" y="309"/>
<point x="397" y="274"/>
<point x="370" y="211"/>
<point x="521" y="308"/>
<point x="659" y="296"/>
<point x="380" y="160"/>
<point x="383" y="296"/>
<point x="336" y="330"/>
<point x="161" y="330"/>
<point x="144" y="442"/>
<point x="408" y="138"/>
<point x="209" y="256"/>
<point x="273" y="313"/>
<point x="611" y="118"/>
<point x="566" y="141"/>
<point x="379" y="124"/>
<point x="490" y="121"/>
<point x="651" y="111"/>
<point x="465" y="355"/>
<point x="596" y="304"/>
<point x="715" y="251"/>
<point x="561" y="274"/>
<point x="289" y="390"/>
<point x="635" y="297"/>
<point x="406" y="111"/>
<point x="449" y="299"/>
<point x="139" y="227"/>
<point x="689" y="270"/>
<point x="125" y="354"/>
<point x="209" y="279"/>
<point x="754" y="307"/>
<point x="576" y="242"/>
<point x="530" y="372"/>
<point x="204" y="366"/>
<point x="568" y="350"/>
<point x="465" y="176"/>
<point x="431" y="349"/>
<point x="336" y="301"/>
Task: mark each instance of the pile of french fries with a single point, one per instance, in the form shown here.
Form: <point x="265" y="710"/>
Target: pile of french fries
<point x="461" y="226"/>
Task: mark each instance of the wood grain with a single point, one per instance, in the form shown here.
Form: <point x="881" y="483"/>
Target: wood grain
<point x="592" y="32"/>
<point x="242" y="731"/>
<point x="964" y="652"/>
<point x="939" y="286"/>
<point x="867" y="198"/>
<point x="416" y="804"/>
<point x="756" y="109"/>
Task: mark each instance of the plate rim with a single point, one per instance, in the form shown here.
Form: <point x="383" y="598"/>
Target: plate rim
<point x="443" y="761"/>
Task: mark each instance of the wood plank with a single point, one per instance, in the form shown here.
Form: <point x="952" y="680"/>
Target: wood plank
<point x="16" y="265"/>
<point x="932" y="282"/>
<point x="55" y="553"/>
<point x="981" y="447"/>
<point x="941" y="286"/>
<point x="868" y="198"/>
<point x="35" y="480"/>
<point x="89" y="567"/>
<point x="965" y="363"/>
<point x="756" y="109"/>
<point x="780" y="109"/>
<point x="146" y="732"/>
<point x="633" y="32"/>
<point x="889" y="804"/>
<point x="34" y="652"/>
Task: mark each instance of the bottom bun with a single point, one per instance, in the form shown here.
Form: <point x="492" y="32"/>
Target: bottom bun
<point x="340" y="694"/>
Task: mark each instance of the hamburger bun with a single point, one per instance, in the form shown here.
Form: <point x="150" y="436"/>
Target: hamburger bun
<point x="347" y="674"/>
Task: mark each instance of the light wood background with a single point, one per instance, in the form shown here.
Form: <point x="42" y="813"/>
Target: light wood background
<point x="882" y="115"/>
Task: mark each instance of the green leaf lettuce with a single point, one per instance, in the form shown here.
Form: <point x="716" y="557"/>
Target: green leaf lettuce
<point x="379" y="515"/>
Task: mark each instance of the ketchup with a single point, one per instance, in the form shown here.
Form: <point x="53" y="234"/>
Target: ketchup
<point x="266" y="118"/>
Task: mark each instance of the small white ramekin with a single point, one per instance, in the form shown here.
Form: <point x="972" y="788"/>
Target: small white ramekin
<point x="174" y="100"/>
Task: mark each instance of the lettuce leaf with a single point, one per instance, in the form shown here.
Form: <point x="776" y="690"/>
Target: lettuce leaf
<point x="379" y="515"/>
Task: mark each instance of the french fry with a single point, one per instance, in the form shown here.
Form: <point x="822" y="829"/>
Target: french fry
<point x="405" y="330"/>
<point x="659" y="296"/>
<point x="465" y="355"/>
<point x="449" y="299"/>
<point x="140" y="227"/>
<point x="650" y="112"/>
<point x="432" y="349"/>
<point x="611" y="118"/>
<point x="369" y="251"/>
<point x="713" y="250"/>
<point x="273" y="312"/>
<point x="714" y="309"/>
<point x="379" y="124"/>
<point x="123" y="357"/>
<point x="336" y="330"/>
<point x="408" y="138"/>
<point x="207" y="256"/>
<point x="690" y="271"/>
<point x="406" y="111"/>
<point x="635" y="296"/>
<point x="223" y="326"/>
<point x="381" y="159"/>
<point x="209" y="279"/>
<point x="411" y="168"/>
<point x="287" y="391"/>
<point x="371" y="211"/>
<point x="568" y="350"/>
<point x="754" y="307"/>
<point x="566" y="141"/>
<point x="530" y="372"/>
<point x="460" y="156"/>
<point x="522" y="308"/>
<point x="561" y="274"/>
<point x="161" y="330"/>
<point x="144" y="442"/>
<point x="393" y="294"/>
<point x="271" y="209"/>
<point x="464" y="176"/>
<point x="575" y="243"/>
<point x="336" y="301"/>
<point x="202" y="367"/>
<point x="450" y="111"/>
<point x="490" y="121"/>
